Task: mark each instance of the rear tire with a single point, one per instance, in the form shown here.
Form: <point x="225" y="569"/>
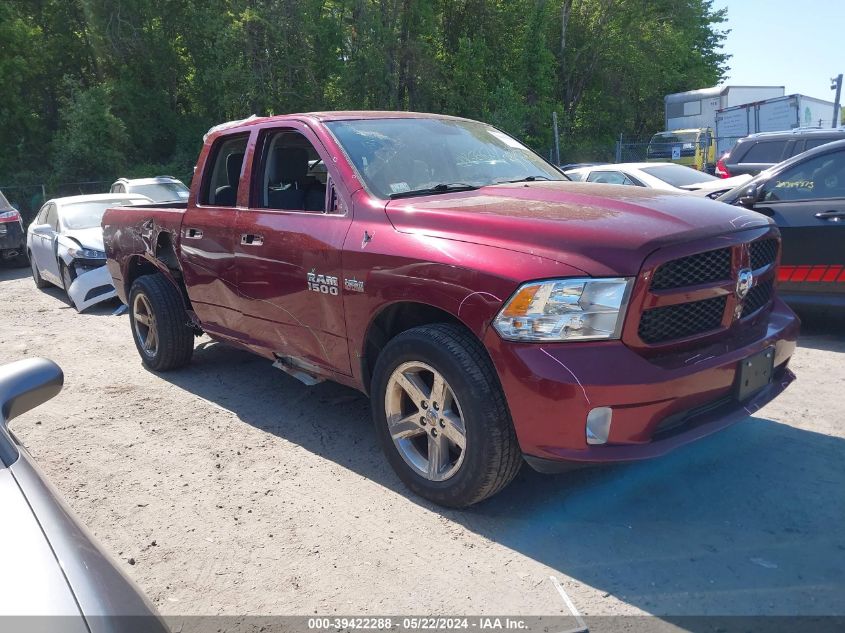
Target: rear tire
<point x="483" y="456"/>
<point x="159" y="323"/>
<point x="36" y="276"/>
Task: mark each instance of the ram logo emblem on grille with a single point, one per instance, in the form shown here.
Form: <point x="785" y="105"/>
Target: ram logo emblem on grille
<point x="744" y="281"/>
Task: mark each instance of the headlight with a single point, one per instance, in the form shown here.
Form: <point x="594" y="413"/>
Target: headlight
<point x="565" y="310"/>
<point x="86" y="253"/>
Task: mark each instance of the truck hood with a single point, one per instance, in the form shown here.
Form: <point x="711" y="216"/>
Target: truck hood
<point x="88" y="238"/>
<point x="598" y="229"/>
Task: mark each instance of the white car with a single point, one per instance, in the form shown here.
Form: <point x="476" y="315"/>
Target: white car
<point x="158" y="188"/>
<point x="665" y="176"/>
<point x="65" y="246"/>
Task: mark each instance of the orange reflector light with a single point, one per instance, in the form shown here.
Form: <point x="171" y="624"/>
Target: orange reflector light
<point x="518" y="306"/>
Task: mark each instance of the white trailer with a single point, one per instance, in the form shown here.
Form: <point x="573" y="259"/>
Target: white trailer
<point x="771" y="115"/>
<point x="698" y="108"/>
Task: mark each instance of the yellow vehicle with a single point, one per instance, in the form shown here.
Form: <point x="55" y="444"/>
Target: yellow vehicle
<point x="694" y="148"/>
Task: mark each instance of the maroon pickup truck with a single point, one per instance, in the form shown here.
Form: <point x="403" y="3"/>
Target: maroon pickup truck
<point x="494" y="311"/>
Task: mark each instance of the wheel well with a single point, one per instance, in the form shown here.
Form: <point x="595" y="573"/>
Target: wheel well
<point x="138" y="266"/>
<point x="394" y="320"/>
<point x="166" y="254"/>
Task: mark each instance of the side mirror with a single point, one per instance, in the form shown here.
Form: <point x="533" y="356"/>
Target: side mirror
<point x="42" y="229"/>
<point x="750" y="196"/>
<point x="25" y="384"/>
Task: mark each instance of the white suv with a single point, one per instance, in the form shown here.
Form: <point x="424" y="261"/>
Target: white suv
<point x="158" y="188"/>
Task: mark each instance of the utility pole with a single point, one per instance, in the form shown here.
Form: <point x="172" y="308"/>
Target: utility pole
<point x="557" y="139"/>
<point x="836" y="84"/>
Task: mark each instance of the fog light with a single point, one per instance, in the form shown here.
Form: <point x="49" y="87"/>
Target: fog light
<point x="598" y="425"/>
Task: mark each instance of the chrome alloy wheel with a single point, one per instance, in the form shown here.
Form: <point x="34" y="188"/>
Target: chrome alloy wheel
<point x="424" y="419"/>
<point x="144" y="323"/>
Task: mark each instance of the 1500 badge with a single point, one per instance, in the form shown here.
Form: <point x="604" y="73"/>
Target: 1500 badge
<point x="324" y="284"/>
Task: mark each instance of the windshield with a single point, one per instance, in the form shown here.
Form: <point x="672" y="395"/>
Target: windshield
<point x="398" y="156"/>
<point x="678" y="175"/>
<point x="674" y="137"/>
<point x="87" y="215"/>
<point x="162" y="191"/>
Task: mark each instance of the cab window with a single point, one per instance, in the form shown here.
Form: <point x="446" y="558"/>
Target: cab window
<point x="818" y="178"/>
<point x="221" y="186"/>
<point x="292" y="175"/>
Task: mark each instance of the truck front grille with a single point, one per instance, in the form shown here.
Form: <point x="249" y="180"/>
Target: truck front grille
<point x="763" y="253"/>
<point x="700" y="268"/>
<point x="698" y="295"/>
<point x="668" y="323"/>
<point x="756" y="298"/>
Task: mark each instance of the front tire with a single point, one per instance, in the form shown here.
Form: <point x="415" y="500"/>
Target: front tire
<point x="441" y="416"/>
<point x="159" y="324"/>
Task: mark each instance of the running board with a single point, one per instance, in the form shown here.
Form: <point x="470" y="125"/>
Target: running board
<point x="303" y="371"/>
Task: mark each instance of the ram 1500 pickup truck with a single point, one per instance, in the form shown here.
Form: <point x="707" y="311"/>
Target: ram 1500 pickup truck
<point x="493" y="311"/>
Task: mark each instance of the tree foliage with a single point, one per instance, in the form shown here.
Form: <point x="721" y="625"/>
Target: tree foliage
<point x="101" y="88"/>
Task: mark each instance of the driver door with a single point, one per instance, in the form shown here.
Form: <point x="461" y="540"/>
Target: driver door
<point x="44" y="243"/>
<point x="288" y="246"/>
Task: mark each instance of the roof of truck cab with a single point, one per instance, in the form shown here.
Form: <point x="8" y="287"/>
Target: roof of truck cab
<point x="344" y="115"/>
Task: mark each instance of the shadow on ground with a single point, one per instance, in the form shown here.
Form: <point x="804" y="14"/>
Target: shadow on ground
<point x="749" y="521"/>
<point x="8" y="272"/>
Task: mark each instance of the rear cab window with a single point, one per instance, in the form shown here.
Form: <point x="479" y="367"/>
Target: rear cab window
<point x="222" y="176"/>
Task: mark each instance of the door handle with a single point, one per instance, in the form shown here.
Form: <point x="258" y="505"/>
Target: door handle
<point x="833" y="216"/>
<point x="193" y="234"/>
<point x="250" y="239"/>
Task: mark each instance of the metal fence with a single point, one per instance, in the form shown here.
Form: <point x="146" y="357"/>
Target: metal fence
<point x="28" y="198"/>
<point x="642" y="151"/>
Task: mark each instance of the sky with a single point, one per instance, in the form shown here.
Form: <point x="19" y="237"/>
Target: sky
<point x="792" y="43"/>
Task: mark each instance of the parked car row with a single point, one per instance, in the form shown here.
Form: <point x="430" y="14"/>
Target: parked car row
<point x="64" y="243"/>
<point x="663" y="176"/>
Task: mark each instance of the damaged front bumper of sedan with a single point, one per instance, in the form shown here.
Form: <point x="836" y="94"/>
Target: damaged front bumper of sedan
<point x="91" y="286"/>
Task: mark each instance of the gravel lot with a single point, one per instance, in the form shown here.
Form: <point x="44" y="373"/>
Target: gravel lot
<point x="230" y="488"/>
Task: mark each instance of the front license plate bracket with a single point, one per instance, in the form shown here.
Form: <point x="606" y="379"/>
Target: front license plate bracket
<point x="755" y="373"/>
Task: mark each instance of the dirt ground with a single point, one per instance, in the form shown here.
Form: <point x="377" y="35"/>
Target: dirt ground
<point x="230" y="488"/>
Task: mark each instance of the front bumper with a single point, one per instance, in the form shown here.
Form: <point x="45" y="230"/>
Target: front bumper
<point x="92" y="285"/>
<point x="551" y="388"/>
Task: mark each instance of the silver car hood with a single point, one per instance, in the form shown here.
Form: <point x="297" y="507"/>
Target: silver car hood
<point x="32" y="582"/>
<point x="89" y="238"/>
<point x="110" y="602"/>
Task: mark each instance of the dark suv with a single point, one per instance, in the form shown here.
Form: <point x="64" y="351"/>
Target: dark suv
<point x="758" y="152"/>
<point x="12" y="235"/>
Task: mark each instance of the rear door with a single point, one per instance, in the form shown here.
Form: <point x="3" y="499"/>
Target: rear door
<point x="207" y="238"/>
<point x="289" y="245"/>
<point x="807" y="201"/>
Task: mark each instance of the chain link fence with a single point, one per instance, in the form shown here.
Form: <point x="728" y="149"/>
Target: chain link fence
<point x="685" y="152"/>
<point x="28" y="198"/>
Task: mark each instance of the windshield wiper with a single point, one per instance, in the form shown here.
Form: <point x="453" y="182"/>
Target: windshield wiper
<point x="525" y="179"/>
<point x="441" y="188"/>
